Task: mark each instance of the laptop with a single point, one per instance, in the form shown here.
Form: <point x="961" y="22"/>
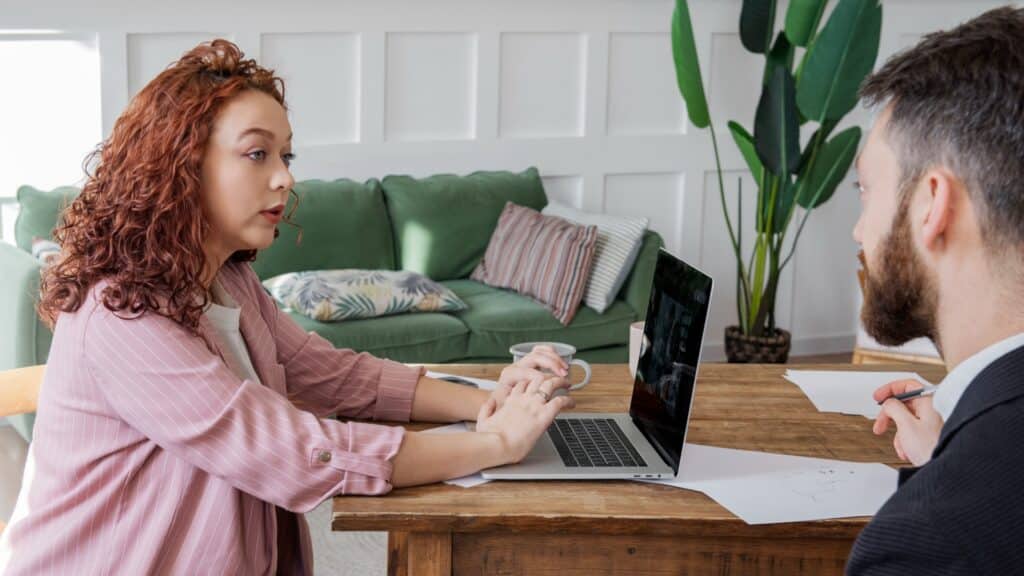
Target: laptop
<point x="648" y="441"/>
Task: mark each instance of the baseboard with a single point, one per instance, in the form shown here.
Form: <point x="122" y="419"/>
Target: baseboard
<point x="805" y="346"/>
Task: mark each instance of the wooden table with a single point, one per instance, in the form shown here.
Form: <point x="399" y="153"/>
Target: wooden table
<point x="570" y="528"/>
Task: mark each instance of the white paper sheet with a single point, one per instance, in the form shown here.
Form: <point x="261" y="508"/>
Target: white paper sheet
<point x="846" y="392"/>
<point x="764" y="488"/>
<point x="481" y="383"/>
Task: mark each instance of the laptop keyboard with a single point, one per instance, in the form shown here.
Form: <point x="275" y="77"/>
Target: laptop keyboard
<point x="593" y="442"/>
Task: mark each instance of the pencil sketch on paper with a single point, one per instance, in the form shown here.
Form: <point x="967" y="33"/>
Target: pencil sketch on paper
<point x="818" y="485"/>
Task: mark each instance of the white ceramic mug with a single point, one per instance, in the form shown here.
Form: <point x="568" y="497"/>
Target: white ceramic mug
<point x="565" y="351"/>
<point x="636" y="338"/>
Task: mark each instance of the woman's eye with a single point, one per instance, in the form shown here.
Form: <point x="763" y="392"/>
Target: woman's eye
<point x="288" y="158"/>
<point x="257" y="155"/>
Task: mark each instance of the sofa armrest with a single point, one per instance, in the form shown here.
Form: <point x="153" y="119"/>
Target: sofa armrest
<point x="24" y="339"/>
<point x="637" y="289"/>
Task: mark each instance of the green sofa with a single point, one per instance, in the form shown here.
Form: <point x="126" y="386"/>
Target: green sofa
<point x="438" y="226"/>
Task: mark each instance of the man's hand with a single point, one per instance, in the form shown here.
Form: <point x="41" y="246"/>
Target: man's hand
<point x="917" y="423"/>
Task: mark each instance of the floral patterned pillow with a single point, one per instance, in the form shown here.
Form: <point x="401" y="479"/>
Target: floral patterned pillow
<point x="46" y="251"/>
<point x="337" y="295"/>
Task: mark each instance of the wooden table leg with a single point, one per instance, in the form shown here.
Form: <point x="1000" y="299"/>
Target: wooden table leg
<point x="398" y="553"/>
<point x="420" y="553"/>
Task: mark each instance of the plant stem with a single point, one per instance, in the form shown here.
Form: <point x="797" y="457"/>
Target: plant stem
<point x="725" y="210"/>
<point x="740" y="298"/>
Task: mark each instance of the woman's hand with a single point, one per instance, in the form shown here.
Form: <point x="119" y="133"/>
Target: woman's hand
<point x="541" y="362"/>
<point x="528" y="409"/>
<point x="917" y="423"/>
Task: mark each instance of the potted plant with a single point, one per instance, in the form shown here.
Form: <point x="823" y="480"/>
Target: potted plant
<point x="830" y="65"/>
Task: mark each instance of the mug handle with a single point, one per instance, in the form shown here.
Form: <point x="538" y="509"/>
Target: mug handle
<point x="586" y="368"/>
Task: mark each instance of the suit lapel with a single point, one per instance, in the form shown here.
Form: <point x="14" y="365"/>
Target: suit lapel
<point x="1000" y="382"/>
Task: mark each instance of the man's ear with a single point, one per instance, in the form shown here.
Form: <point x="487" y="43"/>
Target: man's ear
<point x="941" y="187"/>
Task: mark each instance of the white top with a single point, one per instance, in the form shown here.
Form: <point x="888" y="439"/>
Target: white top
<point x="223" y="312"/>
<point x="956" y="382"/>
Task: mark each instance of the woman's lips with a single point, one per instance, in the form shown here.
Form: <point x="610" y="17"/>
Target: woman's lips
<point x="274" y="214"/>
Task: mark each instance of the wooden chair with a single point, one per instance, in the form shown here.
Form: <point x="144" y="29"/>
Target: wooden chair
<point x="19" y="390"/>
<point x="19" y="394"/>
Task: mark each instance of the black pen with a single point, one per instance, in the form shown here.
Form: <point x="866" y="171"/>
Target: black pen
<point x="912" y="394"/>
<point x="457" y="380"/>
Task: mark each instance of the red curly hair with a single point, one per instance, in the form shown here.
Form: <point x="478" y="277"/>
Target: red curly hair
<point x="138" y="221"/>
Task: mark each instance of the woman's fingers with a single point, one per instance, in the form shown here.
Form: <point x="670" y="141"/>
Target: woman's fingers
<point x="559" y="403"/>
<point x="534" y="384"/>
<point x="541" y="360"/>
<point x="487" y="410"/>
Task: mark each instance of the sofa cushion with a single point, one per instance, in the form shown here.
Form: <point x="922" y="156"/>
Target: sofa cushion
<point x="429" y="337"/>
<point x="37" y="214"/>
<point x="344" y="225"/>
<point x="497" y="319"/>
<point x="618" y="244"/>
<point x="345" y="295"/>
<point x="543" y="257"/>
<point x="442" y="224"/>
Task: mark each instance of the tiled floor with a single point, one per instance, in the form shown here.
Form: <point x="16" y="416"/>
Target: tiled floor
<point x="345" y="553"/>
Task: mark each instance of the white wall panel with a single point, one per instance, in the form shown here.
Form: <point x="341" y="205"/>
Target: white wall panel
<point x="566" y="190"/>
<point x="322" y="84"/>
<point x="658" y="197"/>
<point x="151" y="53"/>
<point x="643" y="98"/>
<point x="735" y="79"/>
<point x="431" y="86"/>
<point x="542" y="78"/>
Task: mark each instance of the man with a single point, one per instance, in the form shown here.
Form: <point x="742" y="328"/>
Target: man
<point x="942" y="187"/>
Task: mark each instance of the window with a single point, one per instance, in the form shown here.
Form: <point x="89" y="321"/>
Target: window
<point x="50" y="112"/>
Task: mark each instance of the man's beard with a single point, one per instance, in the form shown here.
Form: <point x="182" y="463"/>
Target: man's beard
<point x="900" y="300"/>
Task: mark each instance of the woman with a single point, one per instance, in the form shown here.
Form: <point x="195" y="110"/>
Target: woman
<point x="183" y="420"/>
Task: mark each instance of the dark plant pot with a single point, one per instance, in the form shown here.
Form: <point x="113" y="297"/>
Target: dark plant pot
<point x="743" y="349"/>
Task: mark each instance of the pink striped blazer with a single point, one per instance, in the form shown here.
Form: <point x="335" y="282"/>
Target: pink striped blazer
<point x="151" y="456"/>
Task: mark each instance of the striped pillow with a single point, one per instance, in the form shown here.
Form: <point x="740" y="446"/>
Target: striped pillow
<point x="618" y="244"/>
<point x="543" y="257"/>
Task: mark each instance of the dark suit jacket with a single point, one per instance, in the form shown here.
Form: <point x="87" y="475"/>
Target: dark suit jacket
<point x="963" y="511"/>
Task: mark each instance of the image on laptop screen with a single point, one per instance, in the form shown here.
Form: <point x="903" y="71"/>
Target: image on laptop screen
<point x="667" y="368"/>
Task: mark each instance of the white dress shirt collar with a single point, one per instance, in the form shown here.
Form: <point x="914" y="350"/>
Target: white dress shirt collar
<point x="957" y="381"/>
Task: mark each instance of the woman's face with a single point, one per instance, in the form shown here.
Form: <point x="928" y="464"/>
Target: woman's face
<point x="245" y="175"/>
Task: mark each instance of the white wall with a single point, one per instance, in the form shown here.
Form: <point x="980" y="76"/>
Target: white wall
<point x="584" y="90"/>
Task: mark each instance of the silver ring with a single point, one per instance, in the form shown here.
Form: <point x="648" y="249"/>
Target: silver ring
<point x="544" y="394"/>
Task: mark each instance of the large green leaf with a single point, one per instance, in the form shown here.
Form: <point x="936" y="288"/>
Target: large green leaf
<point x="830" y="167"/>
<point x="784" y="197"/>
<point x="781" y="55"/>
<point x="823" y="132"/>
<point x="783" y="204"/>
<point x="776" y="128"/>
<point x="802" y="20"/>
<point x="684" y="52"/>
<point x="745" y="142"/>
<point x="757" y="25"/>
<point x="842" y="55"/>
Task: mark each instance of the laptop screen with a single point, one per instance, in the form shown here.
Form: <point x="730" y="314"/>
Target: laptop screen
<point x="669" y="355"/>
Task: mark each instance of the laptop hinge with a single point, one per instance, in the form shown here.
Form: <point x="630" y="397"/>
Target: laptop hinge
<point x="653" y="440"/>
